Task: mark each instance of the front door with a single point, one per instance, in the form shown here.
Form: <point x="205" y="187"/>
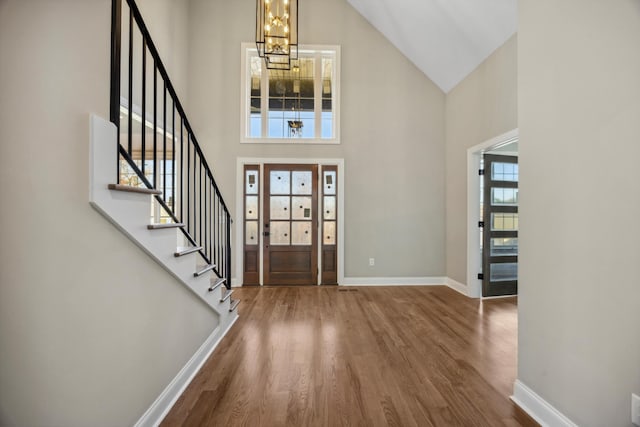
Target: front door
<point x="500" y="231"/>
<point x="290" y="225"/>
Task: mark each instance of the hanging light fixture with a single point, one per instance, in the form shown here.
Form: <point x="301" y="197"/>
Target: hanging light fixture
<point x="277" y="32"/>
<point x="295" y="125"/>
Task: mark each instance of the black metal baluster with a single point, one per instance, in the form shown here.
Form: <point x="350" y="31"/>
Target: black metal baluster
<point x="214" y="230"/>
<point x="188" y="179"/>
<point x="116" y="63"/>
<point x="155" y="125"/>
<point x="216" y="248"/>
<point x="207" y="215"/>
<point x="228" y="250"/>
<point x="200" y="192"/>
<point x="129" y="130"/>
<point x="173" y="158"/>
<point x="164" y="141"/>
<point x="195" y="217"/>
<point x="181" y="165"/>
<point x="223" y="257"/>
<point x="222" y="238"/>
<point x="211" y="235"/>
<point x="144" y="101"/>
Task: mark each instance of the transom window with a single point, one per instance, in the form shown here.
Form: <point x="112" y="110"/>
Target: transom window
<point x="300" y="105"/>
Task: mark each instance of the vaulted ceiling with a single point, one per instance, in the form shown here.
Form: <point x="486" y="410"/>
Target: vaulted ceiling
<point x="445" y="39"/>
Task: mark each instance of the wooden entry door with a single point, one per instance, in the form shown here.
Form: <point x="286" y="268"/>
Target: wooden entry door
<point x="291" y="225"/>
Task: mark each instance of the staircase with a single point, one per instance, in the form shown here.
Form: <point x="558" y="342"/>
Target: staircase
<point x="150" y="179"/>
<point x="149" y="176"/>
<point x="128" y="207"/>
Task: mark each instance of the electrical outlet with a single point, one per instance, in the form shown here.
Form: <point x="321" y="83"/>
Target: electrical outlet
<point x="372" y="262"/>
<point x="635" y="409"/>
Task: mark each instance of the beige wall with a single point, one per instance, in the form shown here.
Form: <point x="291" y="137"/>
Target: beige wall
<point x="392" y="131"/>
<point x="167" y="22"/>
<point x="91" y="330"/>
<point x="482" y="106"/>
<point x="578" y="114"/>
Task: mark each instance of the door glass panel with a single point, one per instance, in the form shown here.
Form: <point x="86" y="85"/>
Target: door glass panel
<point x="251" y="182"/>
<point x="504" y="221"/>
<point x="251" y="233"/>
<point x="301" y="207"/>
<point x="301" y="233"/>
<point x="504" y="172"/>
<point x="504" y="196"/>
<point x="329" y="207"/>
<point x="329" y="235"/>
<point x="279" y="207"/>
<point x="301" y="182"/>
<point x="503" y="272"/>
<point x="507" y="246"/>
<point x="329" y="182"/>
<point x="251" y="207"/>
<point x="279" y="182"/>
<point x="279" y="234"/>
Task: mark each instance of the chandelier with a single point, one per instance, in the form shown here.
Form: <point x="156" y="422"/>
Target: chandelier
<point x="295" y="125"/>
<point x="277" y="32"/>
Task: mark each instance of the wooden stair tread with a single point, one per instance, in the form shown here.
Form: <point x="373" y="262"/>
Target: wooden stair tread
<point x="215" y="283"/>
<point x="167" y="225"/>
<point x="187" y="250"/>
<point x="234" y="304"/>
<point x="131" y="189"/>
<point x="204" y="270"/>
<point x="226" y="294"/>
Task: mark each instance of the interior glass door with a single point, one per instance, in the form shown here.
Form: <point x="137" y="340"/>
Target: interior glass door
<point x="500" y="230"/>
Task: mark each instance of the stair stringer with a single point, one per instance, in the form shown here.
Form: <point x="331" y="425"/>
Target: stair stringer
<point x="129" y="212"/>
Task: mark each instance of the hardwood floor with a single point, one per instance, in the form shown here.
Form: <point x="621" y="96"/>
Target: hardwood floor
<point x="366" y="356"/>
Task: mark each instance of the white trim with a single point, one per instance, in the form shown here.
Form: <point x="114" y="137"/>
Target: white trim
<point x="538" y="408"/>
<point x="457" y="286"/>
<point x="498" y="297"/>
<point x="474" y="260"/>
<point x="406" y="281"/>
<point x="393" y="281"/>
<point x="505" y="153"/>
<point x="163" y="404"/>
<point x="239" y="234"/>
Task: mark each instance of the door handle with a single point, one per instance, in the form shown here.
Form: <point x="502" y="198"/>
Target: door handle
<point x="265" y="234"/>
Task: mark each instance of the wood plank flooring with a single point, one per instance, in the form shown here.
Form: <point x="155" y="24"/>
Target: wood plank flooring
<point x="366" y="356"/>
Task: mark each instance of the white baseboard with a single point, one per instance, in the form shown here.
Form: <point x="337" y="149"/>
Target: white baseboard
<point x="393" y="281"/>
<point x="163" y="404"/>
<point x="538" y="408"/>
<point x="405" y="281"/>
<point x="457" y="286"/>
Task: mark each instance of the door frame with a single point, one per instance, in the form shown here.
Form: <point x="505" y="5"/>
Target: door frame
<point x="239" y="222"/>
<point x="474" y="259"/>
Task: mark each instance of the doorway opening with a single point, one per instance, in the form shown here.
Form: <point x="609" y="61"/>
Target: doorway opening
<point x="479" y="220"/>
<point x="291" y="222"/>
